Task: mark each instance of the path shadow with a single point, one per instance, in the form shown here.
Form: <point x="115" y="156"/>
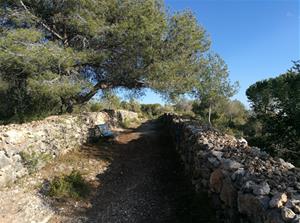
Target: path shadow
<point x="145" y="182"/>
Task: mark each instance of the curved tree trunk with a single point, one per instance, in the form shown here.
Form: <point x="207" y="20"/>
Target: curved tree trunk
<point x="101" y="85"/>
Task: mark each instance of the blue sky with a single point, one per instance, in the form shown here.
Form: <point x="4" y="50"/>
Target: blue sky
<point x="257" y="39"/>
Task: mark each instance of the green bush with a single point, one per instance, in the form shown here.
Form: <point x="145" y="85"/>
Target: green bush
<point x="155" y="110"/>
<point x="96" y="107"/>
<point x="69" y="186"/>
<point x="131" y="105"/>
<point x="128" y="123"/>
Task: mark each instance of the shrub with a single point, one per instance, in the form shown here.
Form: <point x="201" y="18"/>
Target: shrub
<point x="96" y="107"/>
<point x="128" y="123"/>
<point x="69" y="186"/>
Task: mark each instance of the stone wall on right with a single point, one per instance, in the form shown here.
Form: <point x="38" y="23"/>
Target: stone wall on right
<point x="246" y="184"/>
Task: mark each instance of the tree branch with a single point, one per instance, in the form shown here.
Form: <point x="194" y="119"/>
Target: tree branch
<point x="43" y="24"/>
<point x="102" y="85"/>
<point x="79" y="99"/>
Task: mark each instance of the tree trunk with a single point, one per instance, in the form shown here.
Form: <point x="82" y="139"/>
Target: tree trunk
<point x="209" y="114"/>
<point x="101" y="85"/>
<point x="69" y="103"/>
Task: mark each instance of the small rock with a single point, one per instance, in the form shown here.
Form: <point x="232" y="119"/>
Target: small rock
<point x="294" y="205"/>
<point x="287" y="214"/>
<point x="286" y="164"/>
<point x="14" y="136"/>
<point x="214" y="161"/>
<point x="278" y="200"/>
<point x="228" y="193"/>
<point x="4" y="160"/>
<point x="296" y="209"/>
<point x="261" y="189"/>
<point x="216" y="180"/>
<point x="237" y="174"/>
<point x="218" y="154"/>
<point x="242" y="142"/>
<point x="248" y="186"/>
<point x="231" y="164"/>
<point x="252" y="205"/>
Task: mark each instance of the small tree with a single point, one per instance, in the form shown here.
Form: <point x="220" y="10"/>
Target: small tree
<point x="213" y="83"/>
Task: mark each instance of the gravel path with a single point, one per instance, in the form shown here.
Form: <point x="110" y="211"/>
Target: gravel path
<point x="144" y="183"/>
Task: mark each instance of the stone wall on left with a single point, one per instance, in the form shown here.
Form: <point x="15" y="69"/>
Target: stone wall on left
<point x="24" y="147"/>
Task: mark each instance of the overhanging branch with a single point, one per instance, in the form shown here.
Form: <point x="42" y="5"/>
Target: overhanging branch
<point x="101" y="85"/>
<point x="42" y="23"/>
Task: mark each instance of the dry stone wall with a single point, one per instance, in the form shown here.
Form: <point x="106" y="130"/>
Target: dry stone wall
<point x="246" y="184"/>
<point x="27" y="147"/>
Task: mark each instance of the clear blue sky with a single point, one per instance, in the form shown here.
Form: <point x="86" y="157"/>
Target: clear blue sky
<point x="257" y="39"/>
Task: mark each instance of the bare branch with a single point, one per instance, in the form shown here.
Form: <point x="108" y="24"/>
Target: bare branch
<point x="43" y="24"/>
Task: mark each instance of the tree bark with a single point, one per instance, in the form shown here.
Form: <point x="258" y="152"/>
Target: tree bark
<point x="69" y="103"/>
<point x="209" y="114"/>
<point x="101" y="85"/>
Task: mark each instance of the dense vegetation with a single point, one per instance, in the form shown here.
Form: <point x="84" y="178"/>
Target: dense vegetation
<point x="56" y="54"/>
<point x="275" y="122"/>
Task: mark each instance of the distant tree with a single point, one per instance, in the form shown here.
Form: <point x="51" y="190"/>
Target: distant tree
<point x="183" y="105"/>
<point x="134" y="105"/>
<point x="155" y="110"/>
<point x="235" y="113"/>
<point x="110" y="100"/>
<point x="125" y="105"/>
<point x="228" y="116"/>
<point x="107" y="43"/>
<point x="151" y="110"/>
<point x="213" y="83"/>
<point x="131" y="105"/>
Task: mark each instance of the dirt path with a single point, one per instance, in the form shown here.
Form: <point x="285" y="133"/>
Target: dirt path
<point x="137" y="179"/>
<point x="144" y="183"/>
<point x="138" y="186"/>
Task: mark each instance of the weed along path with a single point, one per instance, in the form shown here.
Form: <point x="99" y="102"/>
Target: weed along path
<point x="138" y="178"/>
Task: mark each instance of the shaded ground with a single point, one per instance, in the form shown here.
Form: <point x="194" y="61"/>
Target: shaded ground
<point x="136" y="179"/>
<point x="145" y="183"/>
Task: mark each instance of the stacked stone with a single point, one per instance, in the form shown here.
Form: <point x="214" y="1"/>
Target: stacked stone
<point x="245" y="183"/>
<point x="47" y="138"/>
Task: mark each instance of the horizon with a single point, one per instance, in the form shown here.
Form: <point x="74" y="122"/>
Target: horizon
<point x="257" y="39"/>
